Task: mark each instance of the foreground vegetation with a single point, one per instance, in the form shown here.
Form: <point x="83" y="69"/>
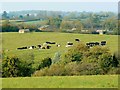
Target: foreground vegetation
<point x="99" y="81"/>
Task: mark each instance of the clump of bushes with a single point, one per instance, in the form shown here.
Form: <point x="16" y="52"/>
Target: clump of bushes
<point x="46" y="62"/>
<point x="81" y="60"/>
<point x="53" y="70"/>
<point x="14" y="67"/>
<point x="78" y="60"/>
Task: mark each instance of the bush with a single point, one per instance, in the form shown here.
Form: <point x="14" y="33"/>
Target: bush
<point x="105" y="62"/>
<point x="95" y="52"/>
<point x="14" y="67"/>
<point x="27" y="62"/>
<point x="42" y="72"/>
<point x="46" y="62"/>
<point x="116" y="59"/>
<point x="114" y="70"/>
<point x="75" y="53"/>
<point x="56" y="58"/>
<point x="11" y="67"/>
<point x="72" y="68"/>
<point x="53" y="70"/>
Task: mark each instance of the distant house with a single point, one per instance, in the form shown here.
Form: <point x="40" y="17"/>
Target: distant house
<point x="101" y="32"/>
<point x="84" y="30"/>
<point x="24" y="30"/>
<point x="73" y="29"/>
<point x="43" y="27"/>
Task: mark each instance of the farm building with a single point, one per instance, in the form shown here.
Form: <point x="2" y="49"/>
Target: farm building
<point x="43" y="27"/>
<point x="101" y="32"/>
<point x="24" y="30"/>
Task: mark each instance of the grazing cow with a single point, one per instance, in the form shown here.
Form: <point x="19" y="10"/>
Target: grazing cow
<point x="96" y="43"/>
<point x="32" y="47"/>
<point x="52" y="42"/>
<point x="91" y="44"/>
<point x="88" y="45"/>
<point x="69" y="44"/>
<point x="39" y="46"/>
<point x="103" y="43"/>
<point x="22" y="48"/>
<point x="42" y="47"/>
<point x="58" y="45"/>
<point x="48" y="42"/>
<point x="48" y="47"/>
<point x="45" y="44"/>
<point x="77" y="40"/>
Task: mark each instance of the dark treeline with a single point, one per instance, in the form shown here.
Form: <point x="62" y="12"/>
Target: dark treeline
<point x="80" y="22"/>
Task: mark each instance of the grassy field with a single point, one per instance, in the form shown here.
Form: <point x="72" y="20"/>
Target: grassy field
<point x="98" y="81"/>
<point x="11" y="41"/>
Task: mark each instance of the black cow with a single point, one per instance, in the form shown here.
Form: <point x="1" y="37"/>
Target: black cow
<point x="77" y="40"/>
<point x="48" y="47"/>
<point x="39" y="46"/>
<point x="52" y="42"/>
<point x="103" y="43"/>
<point x="48" y="42"/>
<point x="22" y="48"/>
<point x="69" y="43"/>
<point x="33" y="47"/>
<point x="96" y="43"/>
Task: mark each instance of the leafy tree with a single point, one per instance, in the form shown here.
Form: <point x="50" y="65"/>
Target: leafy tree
<point x="116" y="59"/>
<point x="5" y="15"/>
<point x="106" y="62"/>
<point x="11" y="67"/>
<point x="56" y="57"/>
<point x="75" y="53"/>
<point x="46" y="62"/>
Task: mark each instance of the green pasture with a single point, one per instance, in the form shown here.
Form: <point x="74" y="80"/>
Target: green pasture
<point x="11" y="41"/>
<point x="15" y="22"/>
<point x="95" y="81"/>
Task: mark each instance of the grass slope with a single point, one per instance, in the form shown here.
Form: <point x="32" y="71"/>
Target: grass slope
<point x="97" y="81"/>
<point x="11" y="41"/>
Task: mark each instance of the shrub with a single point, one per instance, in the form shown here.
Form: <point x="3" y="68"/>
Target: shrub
<point x="27" y="62"/>
<point x="53" y="70"/>
<point x="72" y="68"/>
<point x="116" y="59"/>
<point x="56" y="70"/>
<point x="114" y="70"/>
<point x="11" y="67"/>
<point x="105" y="62"/>
<point x="56" y="57"/>
<point x="42" y="72"/>
<point x="46" y="62"/>
<point x="95" y="52"/>
<point x="89" y="69"/>
<point x="75" y="53"/>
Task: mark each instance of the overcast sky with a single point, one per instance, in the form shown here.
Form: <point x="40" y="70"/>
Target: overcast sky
<point x="60" y="6"/>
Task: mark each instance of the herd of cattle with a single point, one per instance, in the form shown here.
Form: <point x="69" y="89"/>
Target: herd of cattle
<point x="47" y="45"/>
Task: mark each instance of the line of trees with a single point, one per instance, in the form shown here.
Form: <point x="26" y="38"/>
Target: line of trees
<point x="66" y="21"/>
